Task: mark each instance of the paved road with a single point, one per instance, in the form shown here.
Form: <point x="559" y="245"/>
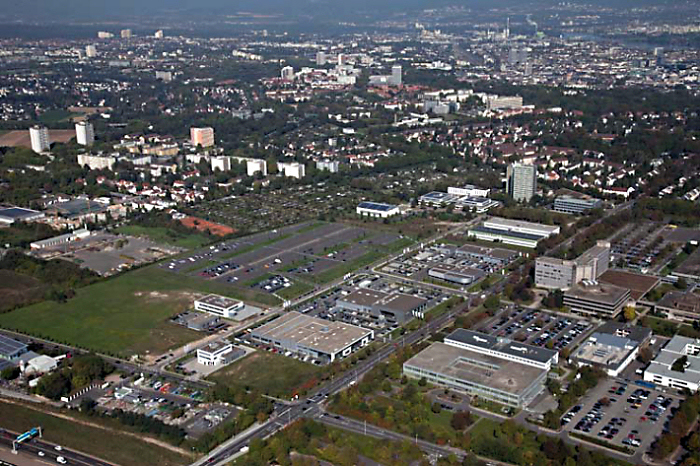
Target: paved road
<point x="36" y="445"/>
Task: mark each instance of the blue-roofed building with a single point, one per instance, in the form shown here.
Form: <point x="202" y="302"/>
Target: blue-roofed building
<point x="378" y="210"/>
<point x="11" y="215"/>
<point x="10" y="348"/>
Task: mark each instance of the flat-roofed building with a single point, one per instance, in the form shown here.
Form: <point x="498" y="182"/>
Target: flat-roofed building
<point x="215" y="354"/>
<point x="470" y="191"/>
<point x="612" y="347"/>
<point x="521" y="181"/>
<point x="73" y="236"/>
<point x="10" y="215"/>
<point x="663" y="370"/>
<point x="477" y="374"/>
<point x="569" y="204"/>
<point x="554" y="273"/>
<point x="323" y="340"/>
<point x="503" y="348"/>
<point x="680" y="305"/>
<point x="514" y="238"/>
<point x="394" y="308"/>
<point x="202" y="136"/>
<point x="460" y="275"/>
<point x="219" y="305"/>
<point x="521" y="226"/>
<point x="376" y="209"/>
<point x="598" y="299"/>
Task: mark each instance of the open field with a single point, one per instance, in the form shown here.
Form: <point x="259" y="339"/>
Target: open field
<point x="165" y="235"/>
<point x="269" y="373"/>
<point x="124" y="315"/>
<point x="21" y="137"/>
<point x="111" y="445"/>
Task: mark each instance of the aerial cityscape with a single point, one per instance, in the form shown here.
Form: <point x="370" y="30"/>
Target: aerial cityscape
<point x="309" y="232"/>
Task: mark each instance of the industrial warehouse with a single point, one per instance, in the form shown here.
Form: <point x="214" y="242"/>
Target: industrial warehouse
<point x="482" y="365"/>
<point x="514" y="232"/>
<point x="392" y="308"/>
<point x="311" y="337"/>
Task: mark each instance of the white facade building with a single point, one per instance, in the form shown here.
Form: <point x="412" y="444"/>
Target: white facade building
<point x="375" y="209"/>
<point x="287" y="73"/>
<point x="469" y="190"/>
<point x="293" y="169"/>
<point x="84" y="133"/>
<point x="219" y="305"/>
<point x="97" y="162"/>
<point x="214" y="354"/>
<point x="220" y="162"/>
<point x="39" y="136"/>
<point x="254" y="166"/>
<point x="661" y="370"/>
<point x="90" y="51"/>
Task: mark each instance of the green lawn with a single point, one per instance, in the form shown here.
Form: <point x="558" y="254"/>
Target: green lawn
<point x="109" y="445"/>
<point x="347" y="267"/>
<point x="55" y="116"/>
<point x="297" y="289"/>
<point x="165" y="235"/>
<point x="269" y="373"/>
<point x="125" y="315"/>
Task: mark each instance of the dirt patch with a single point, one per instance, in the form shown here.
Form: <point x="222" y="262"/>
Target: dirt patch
<point x="203" y="225"/>
<point x="21" y="138"/>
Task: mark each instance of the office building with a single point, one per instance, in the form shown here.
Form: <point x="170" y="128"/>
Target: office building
<point x="677" y="365"/>
<point x="292" y="169"/>
<point x="320" y="58"/>
<point x="483" y="366"/>
<point x="311" y="337"/>
<point x="391" y="308"/>
<point x="612" y="347"/>
<point x="39" y="137"/>
<point x="90" y="51"/>
<point x="10" y="215"/>
<point x="569" y="204"/>
<point x="521" y="181"/>
<point x="202" y="136"/>
<point x="680" y="305"/>
<point x="597" y="299"/>
<point x="377" y="210"/>
<point x="97" y="162"/>
<point x="159" y="34"/>
<point x="503" y="348"/>
<point x="104" y="35"/>
<point x="215" y="354"/>
<point x="125" y="33"/>
<point x="287" y="73"/>
<point x="254" y="166"/>
<point x="470" y="191"/>
<point x="219" y="305"/>
<point x="84" y="133"/>
<point x="554" y="273"/>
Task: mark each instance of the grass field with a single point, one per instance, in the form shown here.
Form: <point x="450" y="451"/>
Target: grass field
<point x="342" y="269"/>
<point x="55" y="116"/>
<point x="165" y="235"/>
<point x="109" y="445"/>
<point x="269" y="373"/>
<point x="297" y="289"/>
<point x="125" y="315"/>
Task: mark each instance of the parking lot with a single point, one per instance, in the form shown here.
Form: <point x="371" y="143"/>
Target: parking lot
<point x="538" y="328"/>
<point x="325" y="306"/>
<point x="461" y="265"/>
<point x="622" y="413"/>
<point x="641" y="246"/>
<point x="277" y="261"/>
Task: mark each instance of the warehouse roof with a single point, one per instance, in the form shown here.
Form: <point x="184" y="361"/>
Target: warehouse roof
<point x="502" y="345"/>
<point x="9" y="346"/>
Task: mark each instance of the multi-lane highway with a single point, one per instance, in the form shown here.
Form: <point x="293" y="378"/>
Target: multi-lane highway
<point x="40" y="449"/>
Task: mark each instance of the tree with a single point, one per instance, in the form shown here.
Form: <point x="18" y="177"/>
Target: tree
<point x="436" y="408"/>
<point x="492" y="303"/>
<point x="460" y="420"/>
<point x="645" y="355"/>
<point x="679" y="364"/>
<point x="630" y="313"/>
<point x="10" y="373"/>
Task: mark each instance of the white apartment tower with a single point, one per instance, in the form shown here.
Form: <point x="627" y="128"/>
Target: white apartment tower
<point x="202" y="136"/>
<point x="39" y="136"/>
<point x="287" y="73"/>
<point x="84" y="133"/>
<point x="90" y="51"/>
<point x="521" y="181"/>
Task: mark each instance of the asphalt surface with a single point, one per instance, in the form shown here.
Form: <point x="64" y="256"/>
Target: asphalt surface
<point x="36" y="445"/>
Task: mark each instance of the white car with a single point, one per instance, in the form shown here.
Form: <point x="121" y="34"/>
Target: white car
<point x="61" y="460"/>
<point x="58" y="448"/>
<point x="41" y="453"/>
